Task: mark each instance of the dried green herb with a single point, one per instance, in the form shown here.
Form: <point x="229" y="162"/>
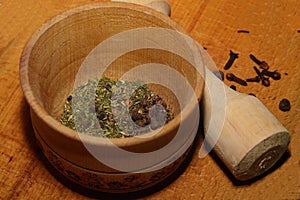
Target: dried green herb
<point x="147" y="110"/>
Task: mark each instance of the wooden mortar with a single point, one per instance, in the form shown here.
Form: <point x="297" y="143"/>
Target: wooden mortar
<point x="49" y="64"/>
<point x="251" y="141"/>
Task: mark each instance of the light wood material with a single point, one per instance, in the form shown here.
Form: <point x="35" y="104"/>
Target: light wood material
<point x="251" y="140"/>
<point x="273" y="37"/>
<point x="159" y="5"/>
<point x="48" y="76"/>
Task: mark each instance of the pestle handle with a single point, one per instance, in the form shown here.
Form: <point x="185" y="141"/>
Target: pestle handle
<point x="252" y="140"/>
<point x="162" y="6"/>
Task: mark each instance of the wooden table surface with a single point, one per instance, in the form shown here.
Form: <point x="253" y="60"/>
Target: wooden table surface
<point x="273" y="37"/>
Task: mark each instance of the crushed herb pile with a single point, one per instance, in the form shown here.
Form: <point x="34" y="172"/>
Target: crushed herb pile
<point x="147" y="110"/>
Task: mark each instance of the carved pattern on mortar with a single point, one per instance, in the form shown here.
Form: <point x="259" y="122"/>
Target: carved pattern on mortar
<point x="108" y="182"/>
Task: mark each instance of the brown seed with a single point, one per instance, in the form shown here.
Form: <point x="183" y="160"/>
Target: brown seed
<point x="264" y="65"/>
<point x="259" y="74"/>
<point x="254" y="79"/>
<point x="274" y="75"/>
<point x="233" y="87"/>
<point x="265" y="81"/>
<point x="101" y="115"/>
<point x="261" y="64"/>
<point x="136" y="115"/>
<point x="140" y="123"/>
<point x="233" y="57"/>
<point x="69" y="98"/>
<point x="243" y="31"/>
<point x="232" y="77"/>
<point x="284" y="105"/>
<point x="254" y="59"/>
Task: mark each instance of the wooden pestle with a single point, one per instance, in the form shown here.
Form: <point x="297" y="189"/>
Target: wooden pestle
<point x="251" y="139"/>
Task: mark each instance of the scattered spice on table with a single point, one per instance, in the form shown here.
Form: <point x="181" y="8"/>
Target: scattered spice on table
<point x="233" y="87"/>
<point x="232" y="58"/>
<point x="263" y="74"/>
<point x="243" y="31"/>
<point x="254" y="79"/>
<point x="265" y="81"/>
<point x="232" y="77"/>
<point x="108" y="94"/>
<point x="284" y="105"/>
<point x="275" y="75"/>
<point x="261" y="64"/>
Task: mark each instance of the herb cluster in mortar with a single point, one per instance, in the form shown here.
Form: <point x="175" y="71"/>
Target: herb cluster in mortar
<point x="148" y="111"/>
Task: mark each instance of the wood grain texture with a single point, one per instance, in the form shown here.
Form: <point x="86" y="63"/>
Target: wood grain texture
<point x="273" y="25"/>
